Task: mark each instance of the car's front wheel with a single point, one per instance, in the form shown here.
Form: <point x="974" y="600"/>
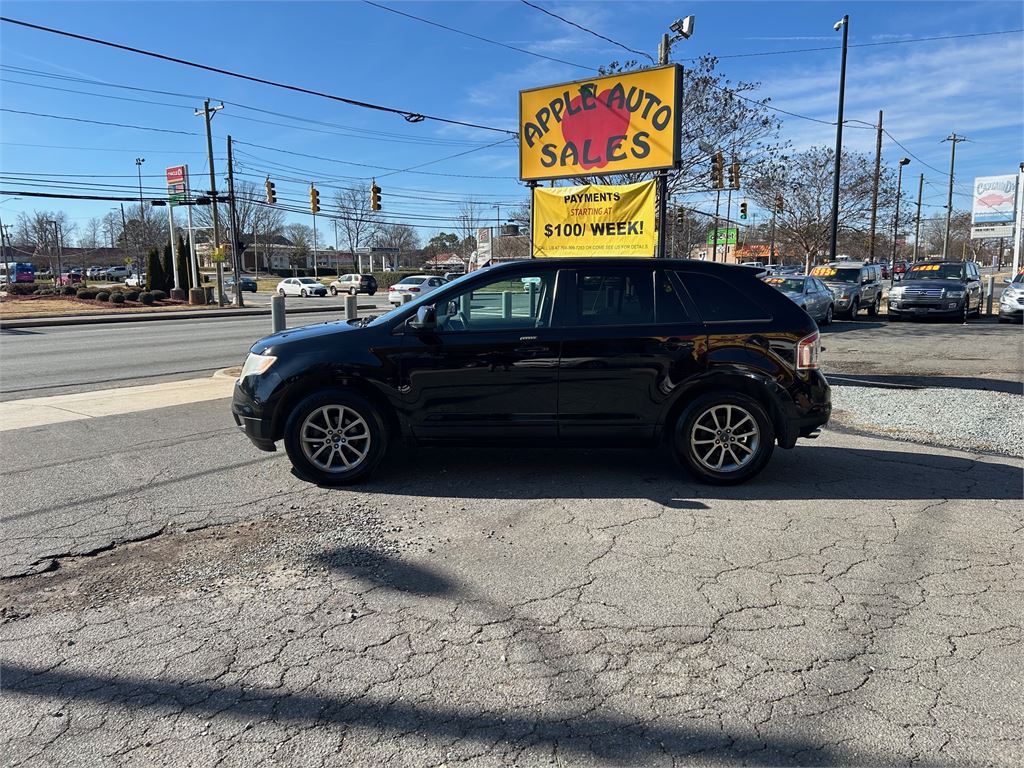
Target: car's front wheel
<point x="334" y="291"/>
<point x="724" y="438"/>
<point x="873" y="309"/>
<point x="352" y="291"/>
<point x="335" y="437"/>
<point x="303" y="293"/>
<point x="280" y="292"/>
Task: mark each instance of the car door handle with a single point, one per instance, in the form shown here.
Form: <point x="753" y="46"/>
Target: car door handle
<point x="532" y="350"/>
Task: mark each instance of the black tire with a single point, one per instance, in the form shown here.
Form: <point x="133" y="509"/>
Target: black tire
<point x="352" y="291"/>
<point x="827" y="320"/>
<point x="280" y="292"/>
<point x="966" y="313"/>
<point x="696" y="419"/>
<point x="303" y="293"/>
<point x="873" y="309"/>
<point x="370" y="293"/>
<point x="977" y="310"/>
<point x="854" y="309"/>
<point x="334" y="291"/>
<point x="353" y="411"/>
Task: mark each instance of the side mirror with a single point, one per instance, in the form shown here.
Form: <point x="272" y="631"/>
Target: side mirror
<point x="1007" y="280"/>
<point x="426" y="319"/>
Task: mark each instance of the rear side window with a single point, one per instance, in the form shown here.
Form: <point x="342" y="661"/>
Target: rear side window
<point x="615" y="297"/>
<point x="668" y="301"/>
<point x="718" y="301"/>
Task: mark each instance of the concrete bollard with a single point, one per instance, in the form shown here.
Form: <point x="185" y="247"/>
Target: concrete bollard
<point x="351" y="308"/>
<point x="277" y="313"/>
<point x="406" y="298"/>
<point x="990" y="289"/>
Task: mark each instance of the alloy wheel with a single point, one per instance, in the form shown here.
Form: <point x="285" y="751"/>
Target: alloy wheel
<point x="335" y="438"/>
<point x="725" y="438"/>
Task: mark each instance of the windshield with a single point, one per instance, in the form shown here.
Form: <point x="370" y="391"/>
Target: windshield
<point x="935" y="272"/>
<point x="834" y="275"/>
<point x="307" y="280"/>
<point x="1019" y="277"/>
<point x="789" y="284"/>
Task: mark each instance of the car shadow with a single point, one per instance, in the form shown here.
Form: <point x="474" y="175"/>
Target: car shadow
<point x="887" y="381"/>
<point x="807" y="472"/>
<point x="844" y="326"/>
<point x="379" y="570"/>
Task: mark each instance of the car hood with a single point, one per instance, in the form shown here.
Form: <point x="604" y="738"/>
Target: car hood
<point x="304" y="334"/>
<point x="952" y="285"/>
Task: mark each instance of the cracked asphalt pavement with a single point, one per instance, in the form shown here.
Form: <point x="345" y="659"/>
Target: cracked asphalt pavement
<point x="171" y="596"/>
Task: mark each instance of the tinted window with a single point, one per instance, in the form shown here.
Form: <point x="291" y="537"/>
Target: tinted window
<point x="614" y="297"/>
<point x="720" y="302"/>
<point x="413" y="280"/>
<point x="515" y="303"/>
<point x="669" y="307"/>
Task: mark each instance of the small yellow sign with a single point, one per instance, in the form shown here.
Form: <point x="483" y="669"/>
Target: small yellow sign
<point x="823" y="272"/>
<point x="623" y="122"/>
<point x="594" y="220"/>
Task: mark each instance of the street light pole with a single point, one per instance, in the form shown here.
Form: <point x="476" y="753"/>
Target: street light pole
<point x="917" y="225"/>
<point x="896" y="218"/>
<point x="683" y="28"/>
<point x="142" y="218"/>
<point x="833" y="245"/>
<point x="208" y="112"/>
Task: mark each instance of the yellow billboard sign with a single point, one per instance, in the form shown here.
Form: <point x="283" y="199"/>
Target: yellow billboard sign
<point x="594" y="220"/>
<point x="611" y="124"/>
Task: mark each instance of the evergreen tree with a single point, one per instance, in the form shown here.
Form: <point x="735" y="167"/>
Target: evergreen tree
<point x="182" y="263"/>
<point x="154" y="273"/>
<point x="167" y="269"/>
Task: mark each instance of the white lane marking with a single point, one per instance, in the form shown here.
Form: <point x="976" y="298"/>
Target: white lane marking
<point x="40" y="411"/>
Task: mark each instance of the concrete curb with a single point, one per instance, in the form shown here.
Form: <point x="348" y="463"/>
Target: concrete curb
<point x="204" y="314"/>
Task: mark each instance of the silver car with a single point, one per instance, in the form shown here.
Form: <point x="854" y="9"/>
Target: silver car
<point x="414" y="286"/>
<point x="808" y="293"/>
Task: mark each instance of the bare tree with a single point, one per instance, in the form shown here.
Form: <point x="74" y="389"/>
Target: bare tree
<point x="400" y="236"/>
<point x="111" y="228"/>
<point x="468" y="221"/>
<point x="251" y="213"/>
<point x="301" y="236"/>
<point x="357" y="221"/>
<point x="961" y="246"/>
<point x="92" y="234"/>
<point x="36" y="228"/>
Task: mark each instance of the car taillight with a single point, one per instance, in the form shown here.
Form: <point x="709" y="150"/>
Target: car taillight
<point x="414" y="289"/>
<point x="808" y="349"/>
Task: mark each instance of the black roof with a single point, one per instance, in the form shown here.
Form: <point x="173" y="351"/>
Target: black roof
<point x="581" y="262"/>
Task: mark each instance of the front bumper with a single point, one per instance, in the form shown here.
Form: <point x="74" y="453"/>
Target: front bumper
<point x="806" y="410"/>
<point x="249" y="417"/>
<point x="926" y="307"/>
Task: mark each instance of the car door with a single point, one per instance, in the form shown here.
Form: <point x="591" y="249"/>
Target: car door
<point x="975" y="291"/>
<point x="630" y="340"/>
<point x="490" y="369"/>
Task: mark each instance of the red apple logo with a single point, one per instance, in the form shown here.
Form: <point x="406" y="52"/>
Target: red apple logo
<point x="589" y="130"/>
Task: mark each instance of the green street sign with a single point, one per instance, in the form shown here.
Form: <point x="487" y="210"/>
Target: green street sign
<point x="724" y="236"/>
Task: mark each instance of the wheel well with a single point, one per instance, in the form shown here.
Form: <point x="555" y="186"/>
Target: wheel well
<point x="732" y="383"/>
<point x="302" y="389"/>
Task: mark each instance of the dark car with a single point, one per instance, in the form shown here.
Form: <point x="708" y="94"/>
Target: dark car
<point x="245" y="283"/>
<point x="808" y="293"/>
<point x="702" y="357"/>
<point x="948" y="289"/>
<point x="856" y="286"/>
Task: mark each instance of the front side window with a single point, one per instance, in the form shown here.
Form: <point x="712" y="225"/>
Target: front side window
<point x="615" y="297"/>
<point x="521" y="302"/>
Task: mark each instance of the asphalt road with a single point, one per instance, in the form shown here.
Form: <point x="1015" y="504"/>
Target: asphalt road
<point x="199" y="605"/>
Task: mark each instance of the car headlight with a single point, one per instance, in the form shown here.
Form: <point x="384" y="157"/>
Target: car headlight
<point x="256" y="365"/>
<point x="896" y="293"/>
<point x="955" y="294"/>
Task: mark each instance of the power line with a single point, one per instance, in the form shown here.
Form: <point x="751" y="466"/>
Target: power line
<point x="475" y="37"/>
<point x="98" y="122"/>
<point x="103" y="149"/>
<point x="589" y="31"/>
<point x="412" y="117"/>
<point x="922" y="162"/>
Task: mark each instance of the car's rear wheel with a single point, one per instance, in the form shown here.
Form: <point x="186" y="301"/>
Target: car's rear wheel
<point x="334" y="291"/>
<point x="303" y="293"/>
<point x="854" y="309"/>
<point x="723" y="438"/>
<point x="352" y="291"/>
<point x="828" y="316"/>
<point x="280" y="292"/>
<point x="873" y="309"/>
<point x="335" y="437"/>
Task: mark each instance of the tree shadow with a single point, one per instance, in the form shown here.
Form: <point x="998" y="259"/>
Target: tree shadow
<point x="380" y="570"/>
<point x="598" y="733"/>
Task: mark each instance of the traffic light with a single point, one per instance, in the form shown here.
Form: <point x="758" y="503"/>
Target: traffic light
<point x="734" y="175"/>
<point x="779" y="207"/>
<point x="718" y="171"/>
<point x="314" y="199"/>
<point x="681" y="215"/>
<point x="271" y="192"/>
<point x="374" y="197"/>
<point x="743" y="209"/>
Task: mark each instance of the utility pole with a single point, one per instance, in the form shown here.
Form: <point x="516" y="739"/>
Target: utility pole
<point x="124" y="236"/>
<point x="208" y="112"/>
<point x="833" y="244"/>
<point x="896" y="217"/>
<point x="714" y="236"/>
<point x="728" y="223"/>
<point x="771" y="248"/>
<point x="953" y="138"/>
<point x="235" y="255"/>
<point x="917" y="226"/>
<point x="196" y="295"/>
<point x="142" y="219"/>
<point x="874" y="189"/>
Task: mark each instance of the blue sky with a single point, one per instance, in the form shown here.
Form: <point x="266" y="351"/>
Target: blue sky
<point x="927" y="89"/>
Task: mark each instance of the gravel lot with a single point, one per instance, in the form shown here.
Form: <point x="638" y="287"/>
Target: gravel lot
<point x="957" y="418"/>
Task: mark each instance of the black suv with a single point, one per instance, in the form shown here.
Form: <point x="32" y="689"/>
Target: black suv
<point x="704" y="357"/>
<point x="854" y="285"/>
<point x="950" y="289"/>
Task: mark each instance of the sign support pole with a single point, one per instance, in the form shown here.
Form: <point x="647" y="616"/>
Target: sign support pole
<point x="533" y="194"/>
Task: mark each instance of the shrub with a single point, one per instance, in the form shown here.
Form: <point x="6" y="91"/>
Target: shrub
<point x="117" y="298"/>
<point x="132" y="295"/>
<point x="159" y="295"/>
<point x="21" y="289"/>
<point x="43" y="292"/>
<point x="102" y="295"/>
<point x="69" y="290"/>
<point x="85" y="293"/>
<point x="146" y="298"/>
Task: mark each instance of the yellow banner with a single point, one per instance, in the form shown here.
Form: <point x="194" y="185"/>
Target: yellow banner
<point x="594" y="220"/>
<point x="612" y="124"/>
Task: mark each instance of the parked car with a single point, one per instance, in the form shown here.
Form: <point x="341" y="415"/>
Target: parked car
<point x="949" y="289"/>
<point x="116" y="273"/>
<point x="414" y="286"/>
<point x="884" y="267"/>
<point x="1011" y="303"/>
<point x="899" y="269"/>
<point x="449" y="276"/>
<point x="136" y="281"/>
<point x="245" y="283"/>
<point x="353" y="284"/>
<point x="301" y="286"/>
<point x="808" y="293"/>
<point x="701" y="357"/>
<point x="69" y="278"/>
<point x="854" y="285"/>
<point x="94" y="272"/>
